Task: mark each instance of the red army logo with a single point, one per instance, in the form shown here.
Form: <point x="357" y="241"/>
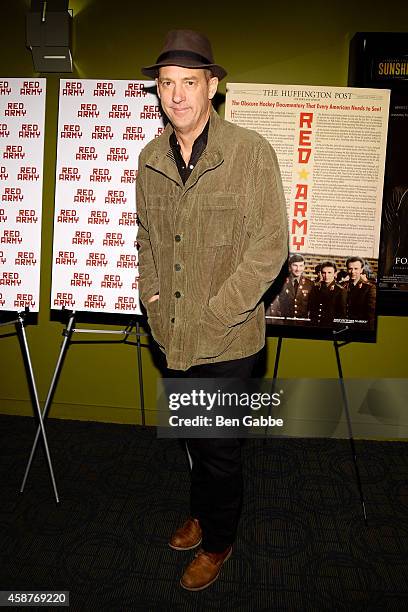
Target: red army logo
<point x="97" y="260"/>
<point x="14" y="152"/>
<point x="73" y="88"/>
<point x="64" y="300"/>
<point x="112" y="281"/>
<point x="26" y="216"/>
<point x="88" y="110"/>
<point x="135" y="90"/>
<point x="66" y="258"/>
<point x="5" y="89"/>
<point x="82" y="237"/>
<point x="12" y="194"/>
<point x="126" y="303"/>
<point x="25" y="258"/>
<point x="85" y="196"/>
<point x="81" y="279"/>
<point x="31" y="88"/>
<point x="71" y="130"/>
<point x="133" y="132"/>
<point x="128" y="218"/>
<point x="98" y="217"/>
<point x="115" y="196"/>
<point x="24" y="300"/>
<point x="127" y="261"/>
<point x="94" y="301"/>
<point x="86" y="153"/>
<point x="150" y="111"/>
<point x="119" y="111"/>
<point x="29" y="130"/>
<point x="69" y="174"/>
<point x="15" y="109"/>
<point x="11" y="237"/>
<point x="10" y="279"/>
<point x="104" y="88"/>
<point x="67" y="216"/>
<point x="28" y="173"/>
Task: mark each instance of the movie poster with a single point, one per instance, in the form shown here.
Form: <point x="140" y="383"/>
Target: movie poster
<point x="331" y="144"/>
<point x="381" y="60"/>
<point x="103" y="126"/>
<point x="22" y="114"/>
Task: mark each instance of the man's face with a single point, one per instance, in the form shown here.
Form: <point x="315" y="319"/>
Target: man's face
<point x="328" y="274"/>
<point x="185" y="94"/>
<point x="297" y="268"/>
<point x="354" y="269"/>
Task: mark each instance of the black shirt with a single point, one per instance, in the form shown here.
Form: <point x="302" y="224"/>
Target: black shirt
<point x="198" y="147"/>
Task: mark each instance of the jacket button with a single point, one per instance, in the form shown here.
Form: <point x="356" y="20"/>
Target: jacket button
<point x="172" y="320"/>
<point x="177" y="237"/>
<point x="177" y="294"/>
<point x="177" y="267"/>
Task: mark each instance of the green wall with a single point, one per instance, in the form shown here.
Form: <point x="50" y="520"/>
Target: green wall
<point x="279" y="42"/>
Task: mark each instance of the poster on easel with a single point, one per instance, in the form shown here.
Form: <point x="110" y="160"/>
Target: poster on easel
<point x="331" y="144"/>
<point x="22" y="116"/>
<point x="102" y="127"/>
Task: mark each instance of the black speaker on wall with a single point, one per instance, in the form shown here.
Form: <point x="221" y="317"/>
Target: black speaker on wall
<point x="49" y="35"/>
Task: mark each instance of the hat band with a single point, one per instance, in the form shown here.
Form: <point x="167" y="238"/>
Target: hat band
<point x="169" y="55"/>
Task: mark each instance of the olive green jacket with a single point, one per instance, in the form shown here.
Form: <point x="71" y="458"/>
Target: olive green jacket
<point x="211" y="247"/>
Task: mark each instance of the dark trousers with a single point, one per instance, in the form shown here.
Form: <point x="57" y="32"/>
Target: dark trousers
<point x="216" y="475"/>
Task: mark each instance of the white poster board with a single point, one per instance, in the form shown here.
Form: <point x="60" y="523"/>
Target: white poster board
<point x="22" y="116"/>
<point x="102" y="127"/>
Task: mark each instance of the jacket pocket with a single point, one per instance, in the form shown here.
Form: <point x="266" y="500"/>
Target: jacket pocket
<point x="213" y="336"/>
<point x="155" y="322"/>
<point x="216" y="225"/>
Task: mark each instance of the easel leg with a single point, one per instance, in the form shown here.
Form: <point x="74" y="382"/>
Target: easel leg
<point x="275" y="376"/>
<point x="350" y="430"/>
<point x="67" y="335"/>
<point x="37" y="405"/>
<point x="140" y="370"/>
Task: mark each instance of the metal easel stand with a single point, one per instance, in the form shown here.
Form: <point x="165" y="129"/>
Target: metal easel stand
<point x="337" y="344"/>
<point x="20" y="329"/>
<point x="67" y="340"/>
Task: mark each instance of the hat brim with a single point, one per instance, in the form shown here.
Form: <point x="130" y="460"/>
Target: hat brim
<point x="153" y="71"/>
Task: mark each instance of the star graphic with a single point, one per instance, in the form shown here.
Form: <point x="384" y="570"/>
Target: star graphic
<point x="303" y="174"/>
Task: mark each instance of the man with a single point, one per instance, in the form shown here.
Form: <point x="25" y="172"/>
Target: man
<point x="293" y="299"/>
<point x="213" y="237"/>
<point x="327" y="298"/>
<point x="361" y="295"/>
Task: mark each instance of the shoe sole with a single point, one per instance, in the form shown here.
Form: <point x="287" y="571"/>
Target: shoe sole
<point x="185" y="547"/>
<point x="201" y="588"/>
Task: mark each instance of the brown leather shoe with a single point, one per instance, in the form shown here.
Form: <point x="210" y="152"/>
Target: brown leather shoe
<point x="204" y="569"/>
<point x="186" y="537"/>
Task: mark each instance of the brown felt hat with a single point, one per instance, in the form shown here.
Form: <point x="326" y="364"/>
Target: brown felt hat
<point x="187" y="49"/>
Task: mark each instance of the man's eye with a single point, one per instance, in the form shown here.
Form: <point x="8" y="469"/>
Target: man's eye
<point x="190" y="83"/>
<point x="165" y="83"/>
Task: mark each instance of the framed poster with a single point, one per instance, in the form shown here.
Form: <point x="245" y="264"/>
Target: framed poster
<point x="380" y="60"/>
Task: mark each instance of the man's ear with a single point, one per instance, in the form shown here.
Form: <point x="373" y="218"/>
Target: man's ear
<point x="157" y="87"/>
<point x="212" y="87"/>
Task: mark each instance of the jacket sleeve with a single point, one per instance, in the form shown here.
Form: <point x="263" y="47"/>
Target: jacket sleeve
<point x="148" y="279"/>
<point x="265" y="240"/>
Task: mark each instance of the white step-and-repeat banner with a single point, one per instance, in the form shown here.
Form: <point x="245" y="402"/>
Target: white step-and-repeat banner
<point x="102" y="127"/>
<point x="22" y="115"/>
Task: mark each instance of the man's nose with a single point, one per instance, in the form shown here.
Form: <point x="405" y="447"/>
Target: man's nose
<point x="178" y="93"/>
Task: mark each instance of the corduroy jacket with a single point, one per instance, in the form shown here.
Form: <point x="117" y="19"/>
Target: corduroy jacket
<point x="211" y="247"/>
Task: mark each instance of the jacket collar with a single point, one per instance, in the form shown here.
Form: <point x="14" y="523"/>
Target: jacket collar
<point x="161" y="158"/>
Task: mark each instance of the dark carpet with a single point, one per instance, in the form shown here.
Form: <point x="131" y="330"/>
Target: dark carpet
<point x="303" y="543"/>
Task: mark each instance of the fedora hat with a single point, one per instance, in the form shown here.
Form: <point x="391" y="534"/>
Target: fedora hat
<point x="187" y="49"/>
